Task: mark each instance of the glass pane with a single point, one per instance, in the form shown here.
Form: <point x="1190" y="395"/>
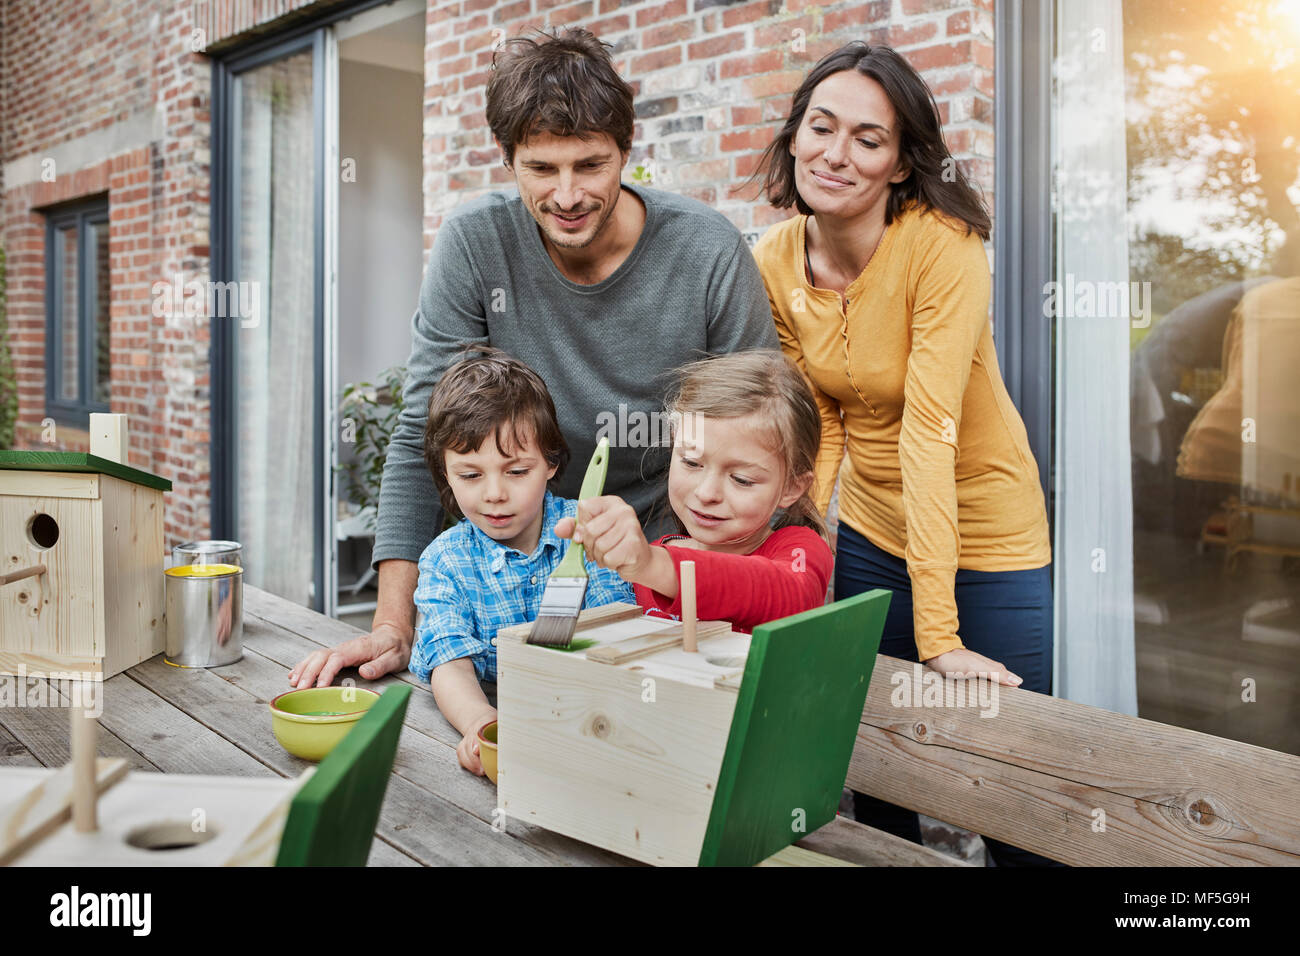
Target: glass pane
<point x="276" y="366"/>
<point x="67" y="269"/>
<point x="1202" y="151"/>
<point x="98" y="301"/>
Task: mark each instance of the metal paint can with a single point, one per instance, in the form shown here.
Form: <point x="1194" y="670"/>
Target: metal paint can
<point x="205" y="615"/>
<point x="208" y="552"/>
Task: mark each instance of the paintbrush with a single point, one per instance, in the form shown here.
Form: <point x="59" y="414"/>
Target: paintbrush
<point x="566" y="588"/>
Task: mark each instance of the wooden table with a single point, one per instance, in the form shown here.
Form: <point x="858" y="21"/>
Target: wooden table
<point x="163" y="718"/>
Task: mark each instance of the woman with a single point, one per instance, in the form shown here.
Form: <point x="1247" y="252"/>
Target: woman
<point x="880" y="292"/>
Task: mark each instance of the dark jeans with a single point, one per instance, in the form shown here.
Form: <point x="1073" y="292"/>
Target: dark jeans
<point x="1004" y="615"/>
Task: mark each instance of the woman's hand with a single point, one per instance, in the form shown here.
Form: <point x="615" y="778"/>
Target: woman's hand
<point x="962" y="661"/>
<point x="609" y="530"/>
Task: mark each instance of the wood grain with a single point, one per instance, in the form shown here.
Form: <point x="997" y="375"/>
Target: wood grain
<point x="1037" y="774"/>
<point x="36" y="811"/>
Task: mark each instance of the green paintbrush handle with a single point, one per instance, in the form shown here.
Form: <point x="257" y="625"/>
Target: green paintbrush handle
<point x="593" y="483"/>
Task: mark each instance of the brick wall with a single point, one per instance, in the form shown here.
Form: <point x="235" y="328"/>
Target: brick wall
<point x="118" y="96"/>
<point x="713" y="82"/>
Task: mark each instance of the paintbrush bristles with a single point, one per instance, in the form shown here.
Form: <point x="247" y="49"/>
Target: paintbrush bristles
<point x="553" y="631"/>
<point x="557" y="618"/>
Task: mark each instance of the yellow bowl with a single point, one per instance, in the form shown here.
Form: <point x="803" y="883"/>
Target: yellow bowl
<point x="487" y="749"/>
<point x="311" y="721"/>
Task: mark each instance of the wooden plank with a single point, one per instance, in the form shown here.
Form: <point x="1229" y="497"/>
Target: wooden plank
<point x="383" y="853"/>
<point x="77" y="461"/>
<point x="12" y="752"/>
<point x="848" y="840"/>
<point x="607" y="614"/>
<point x="170" y="738"/>
<point x="109" y="436"/>
<point x="798" y="856"/>
<point x="233" y="700"/>
<point x="48" y="484"/>
<point x="1037" y="775"/>
<point x="631" y="648"/>
<point x="34" y="812"/>
<point x="134" y="604"/>
<point x="43" y="730"/>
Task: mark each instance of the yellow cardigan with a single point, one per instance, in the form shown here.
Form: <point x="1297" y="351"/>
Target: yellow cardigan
<point x="939" y="469"/>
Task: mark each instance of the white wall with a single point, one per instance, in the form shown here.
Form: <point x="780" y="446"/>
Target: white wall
<point x="380" y="256"/>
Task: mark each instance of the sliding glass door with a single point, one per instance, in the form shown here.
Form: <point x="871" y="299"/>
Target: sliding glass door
<point x="270" y="359"/>
<point x="1170" y="294"/>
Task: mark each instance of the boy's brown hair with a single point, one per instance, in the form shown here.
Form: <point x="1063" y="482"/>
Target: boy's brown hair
<point x="486" y="393"/>
<point x="562" y="83"/>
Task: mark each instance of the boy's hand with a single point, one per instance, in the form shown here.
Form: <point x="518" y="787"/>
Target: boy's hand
<point x="609" y="530"/>
<point x="467" y="752"/>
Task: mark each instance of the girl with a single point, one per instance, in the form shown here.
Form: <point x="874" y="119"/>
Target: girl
<point x="746" y="430"/>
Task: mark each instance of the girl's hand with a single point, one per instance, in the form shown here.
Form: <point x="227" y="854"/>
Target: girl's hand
<point x="961" y="661"/>
<point x="610" y="531"/>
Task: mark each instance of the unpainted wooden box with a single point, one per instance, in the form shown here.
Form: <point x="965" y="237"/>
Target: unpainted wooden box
<point x="625" y="756"/>
<point x="98" y="609"/>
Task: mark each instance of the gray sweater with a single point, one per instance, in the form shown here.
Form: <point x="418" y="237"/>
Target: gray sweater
<point x="689" y="287"/>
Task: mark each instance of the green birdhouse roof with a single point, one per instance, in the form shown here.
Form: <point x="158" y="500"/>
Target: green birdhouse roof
<point x="79" y="461"/>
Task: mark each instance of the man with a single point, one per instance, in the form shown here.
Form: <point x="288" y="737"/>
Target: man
<point x="601" y="288"/>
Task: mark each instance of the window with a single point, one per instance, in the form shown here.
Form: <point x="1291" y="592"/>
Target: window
<point x="77" y="312"/>
<point x="1175" y="301"/>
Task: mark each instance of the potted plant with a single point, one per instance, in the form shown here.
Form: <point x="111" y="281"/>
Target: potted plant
<point x="368" y="415"/>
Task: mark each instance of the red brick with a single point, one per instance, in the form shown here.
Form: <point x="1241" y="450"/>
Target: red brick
<point x="757" y="139"/>
<point x="900" y="34"/>
<point x="749" y="12"/>
<point x="857" y="16"/>
<point x="716" y="46"/>
<point x="782" y="33"/>
<point x="579" y="11"/>
<point x="668" y="33"/>
<point x="939" y="56"/>
<point x="660" y="11"/>
<point x="746" y="115"/>
<point x="773" y="84"/>
<point x="764" y="62"/>
<point x="959" y="23"/>
<point x="658" y="60"/>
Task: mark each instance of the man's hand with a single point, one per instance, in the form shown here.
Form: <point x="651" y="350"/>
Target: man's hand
<point x="963" y="662"/>
<point x="467" y="752"/>
<point x="384" y="650"/>
<point x="609" y="530"/>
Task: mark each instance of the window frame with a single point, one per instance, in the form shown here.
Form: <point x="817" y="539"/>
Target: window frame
<point x="77" y="216"/>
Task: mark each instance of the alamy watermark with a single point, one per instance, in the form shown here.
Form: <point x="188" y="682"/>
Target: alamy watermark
<point x="53" y="689"/>
<point x="199" y="299"/>
<point x="923" y="687"/>
<point x="637" y="429"/>
<point x="1087" y="299"/>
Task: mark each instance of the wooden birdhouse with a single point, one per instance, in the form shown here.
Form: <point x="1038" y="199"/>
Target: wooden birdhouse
<point x="81" y="559"/>
<point x="723" y="756"/>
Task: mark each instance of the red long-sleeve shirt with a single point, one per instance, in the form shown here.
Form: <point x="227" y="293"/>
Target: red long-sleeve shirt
<point x="786" y="574"/>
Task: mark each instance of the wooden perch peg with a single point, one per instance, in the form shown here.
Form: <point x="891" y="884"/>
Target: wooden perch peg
<point x="84" y="794"/>
<point x="21" y="573"/>
<point x="688" y="607"/>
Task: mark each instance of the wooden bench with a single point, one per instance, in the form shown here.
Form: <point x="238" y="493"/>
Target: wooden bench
<point x="1078" y="784"/>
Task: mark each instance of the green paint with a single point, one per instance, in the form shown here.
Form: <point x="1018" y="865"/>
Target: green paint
<point x="577" y="644"/>
<point x="79" y="461"/>
<point x="797" y="715"/>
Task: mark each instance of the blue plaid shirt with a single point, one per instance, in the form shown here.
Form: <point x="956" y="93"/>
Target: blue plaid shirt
<point x="471" y="586"/>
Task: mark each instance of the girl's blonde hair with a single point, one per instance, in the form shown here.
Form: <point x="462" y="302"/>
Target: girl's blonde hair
<point x="766" y="384"/>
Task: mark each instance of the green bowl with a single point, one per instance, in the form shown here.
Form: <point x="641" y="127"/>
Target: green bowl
<point x="311" y="721"/>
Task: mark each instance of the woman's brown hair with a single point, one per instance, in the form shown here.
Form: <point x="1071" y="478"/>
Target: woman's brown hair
<point x="936" y="182"/>
<point x="485" y="394"/>
<point x="766" y="384"/>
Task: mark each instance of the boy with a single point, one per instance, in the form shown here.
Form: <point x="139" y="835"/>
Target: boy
<point x="492" y="444"/>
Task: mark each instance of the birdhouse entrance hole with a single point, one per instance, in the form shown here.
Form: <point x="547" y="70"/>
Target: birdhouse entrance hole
<point x="176" y="835"/>
<point x="43" y="531"/>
